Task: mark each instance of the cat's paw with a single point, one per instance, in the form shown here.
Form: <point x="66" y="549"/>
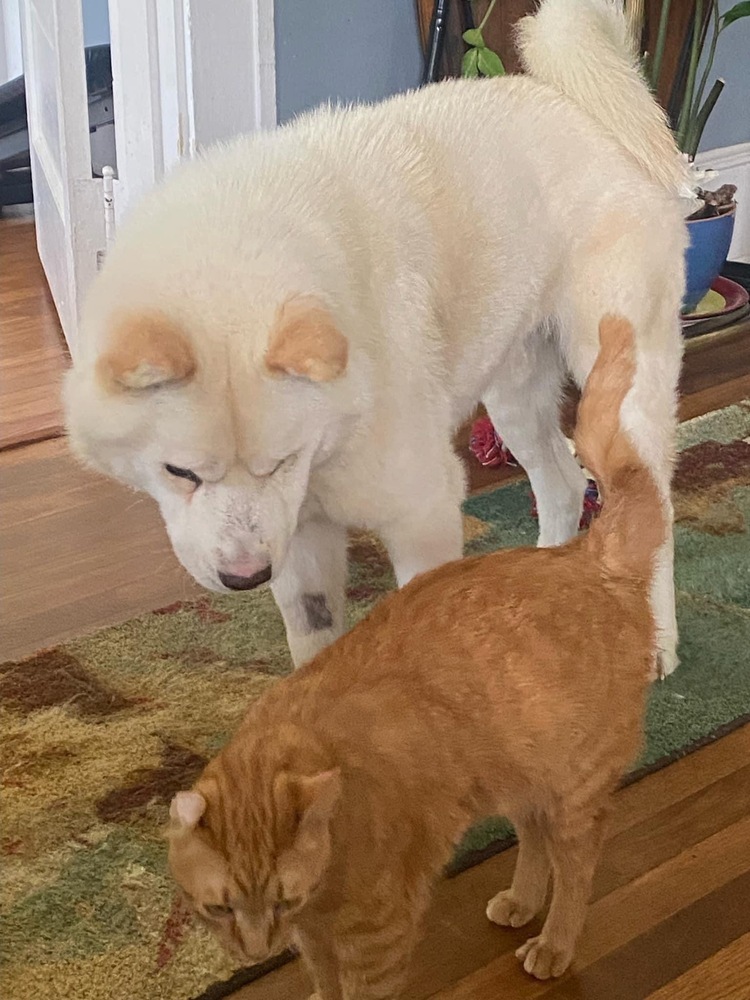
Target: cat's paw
<point x="541" y="960"/>
<point x="507" y="911"/>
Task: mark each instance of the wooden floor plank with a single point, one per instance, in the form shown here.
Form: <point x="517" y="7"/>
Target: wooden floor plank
<point x="675" y="945"/>
<point x="33" y="355"/>
<point x="683" y="778"/>
<point x="723" y="976"/>
<point x="623" y="916"/>
<point x="79" y="552"/>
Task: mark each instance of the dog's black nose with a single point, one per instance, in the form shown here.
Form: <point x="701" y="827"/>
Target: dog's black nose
<point x="246" y="582"/>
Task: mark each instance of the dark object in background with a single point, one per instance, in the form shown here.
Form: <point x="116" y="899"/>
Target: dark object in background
<point x="459" y="16"/>
<point x="434" y="68"/>
<point x="715" y="203"/>
<point x="444" y="50"/>
<point x="738" y="272"/>
<point x="15" y="155"/>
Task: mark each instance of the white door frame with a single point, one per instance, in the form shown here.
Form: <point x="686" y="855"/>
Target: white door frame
<point x="11" y="52"/>
<point x="186" y="73"/>
<point x="67" y="199"/>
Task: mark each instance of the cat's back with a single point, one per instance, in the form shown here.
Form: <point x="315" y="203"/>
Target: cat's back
<point x="532" y="641"/>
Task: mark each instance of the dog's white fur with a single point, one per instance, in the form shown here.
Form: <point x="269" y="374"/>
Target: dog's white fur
<point x="466" y="239"/>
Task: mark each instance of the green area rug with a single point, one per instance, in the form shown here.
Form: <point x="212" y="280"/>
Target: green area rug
<point x="99" y="733"/>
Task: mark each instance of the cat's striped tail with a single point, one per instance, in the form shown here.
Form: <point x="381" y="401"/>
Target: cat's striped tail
<point x="633" y="524"/>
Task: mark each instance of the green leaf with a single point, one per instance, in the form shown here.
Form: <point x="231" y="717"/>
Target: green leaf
<point x="474" y="37"/>
<point x="469" y="63"/>
<point x="735" y="13"/>
<point x="490" y="63"/>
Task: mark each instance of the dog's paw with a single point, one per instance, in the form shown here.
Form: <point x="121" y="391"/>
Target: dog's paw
<point x="507" y="911"/>
<point x="541" y="960"/>
<point x="667" y="661"/>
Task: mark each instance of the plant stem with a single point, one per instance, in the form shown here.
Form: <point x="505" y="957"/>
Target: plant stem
<point x="709" y="60"/>
<point x="487" y="15"/>
<point x="687" y="100"/>
<point x="661" y="40"/>
<point x="693" y="137"/>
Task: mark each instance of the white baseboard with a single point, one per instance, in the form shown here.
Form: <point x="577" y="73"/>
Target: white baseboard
<point x="732" y="164"/>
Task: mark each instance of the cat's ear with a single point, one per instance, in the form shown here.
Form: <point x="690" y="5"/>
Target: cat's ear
<point x="186" y="810"/>
<point x="319" y="796"/>
<point x="306" y="342"/>
<point x="315" y="797"/>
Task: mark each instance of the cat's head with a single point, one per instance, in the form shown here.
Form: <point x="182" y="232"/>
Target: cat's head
<point x="248" y="873"/>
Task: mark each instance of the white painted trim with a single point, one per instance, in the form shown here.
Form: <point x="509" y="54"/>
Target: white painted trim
<point x="187" y="73"/>
<point x="11" y="48"/>
<point x="732" y="164"/>
<point x="264" y="91"/>
<point x="136" y="98"/>
<point x="231" y="68"/>
<point x="4" y="74"/>
<point x="69" y="226"/>
<point x="726" y="157"/>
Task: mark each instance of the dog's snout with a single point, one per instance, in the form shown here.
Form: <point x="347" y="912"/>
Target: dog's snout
<point x="234" y="582"/>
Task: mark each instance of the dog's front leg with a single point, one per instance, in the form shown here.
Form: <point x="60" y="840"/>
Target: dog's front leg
<point x="431" y="536"/>
<point x="309" y="590"/>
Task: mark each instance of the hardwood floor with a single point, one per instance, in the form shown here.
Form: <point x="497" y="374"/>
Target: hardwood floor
<point x="78" y="551"/>
<point x="671" y="914"/>
<point x="32" y="351"/>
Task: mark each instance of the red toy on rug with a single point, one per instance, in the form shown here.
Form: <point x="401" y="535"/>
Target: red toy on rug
<point x="487" y="447"/>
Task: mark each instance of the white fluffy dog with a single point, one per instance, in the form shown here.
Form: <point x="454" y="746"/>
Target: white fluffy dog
<point x="288" y="331"/>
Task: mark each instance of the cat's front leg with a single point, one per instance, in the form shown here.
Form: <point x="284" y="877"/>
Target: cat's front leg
<point x="309" y="590"/>
<point x="320" y="960"/>
<point x="375" y="957"/>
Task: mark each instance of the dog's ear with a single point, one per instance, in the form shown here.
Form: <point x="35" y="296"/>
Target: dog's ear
<point x="305" y="341"/>
<point x="145" y="350"/>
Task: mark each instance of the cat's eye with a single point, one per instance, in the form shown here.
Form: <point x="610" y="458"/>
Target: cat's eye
<point x="216" y="910"/>
<point x="178" y="473"/>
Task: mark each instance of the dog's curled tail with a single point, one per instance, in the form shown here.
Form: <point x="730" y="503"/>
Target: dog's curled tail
<point x="583" y="49"/>
<point x="632" y="526"/>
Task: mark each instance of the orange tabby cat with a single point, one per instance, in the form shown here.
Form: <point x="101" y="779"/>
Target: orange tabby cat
<point x="511" y="683"/>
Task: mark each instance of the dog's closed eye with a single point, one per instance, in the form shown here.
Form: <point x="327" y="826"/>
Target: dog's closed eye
<point x="179" y="473"/>
<point x="265" y="472"/>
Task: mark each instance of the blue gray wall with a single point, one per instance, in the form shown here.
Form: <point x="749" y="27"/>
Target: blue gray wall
<point x="95" y="22"/>
<point x="364" y="50"/>
<point x="730" y="122"/>
<point x="344" y="50"/>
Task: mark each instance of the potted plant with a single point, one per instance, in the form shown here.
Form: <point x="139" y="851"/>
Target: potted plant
<point x="709" y="214"/>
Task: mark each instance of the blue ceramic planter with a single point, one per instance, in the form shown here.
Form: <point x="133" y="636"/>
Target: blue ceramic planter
<point x="706" y="255"/>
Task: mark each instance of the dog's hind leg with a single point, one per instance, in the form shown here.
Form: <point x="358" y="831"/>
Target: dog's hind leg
<point x="524" y="406"/>
<point x="639" y="276"/>
<point x="310" y="588"/>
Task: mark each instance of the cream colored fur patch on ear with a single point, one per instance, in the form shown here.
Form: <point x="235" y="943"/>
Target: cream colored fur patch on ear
<point x="145" y="350"/>
<point x="305" y="341"/>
